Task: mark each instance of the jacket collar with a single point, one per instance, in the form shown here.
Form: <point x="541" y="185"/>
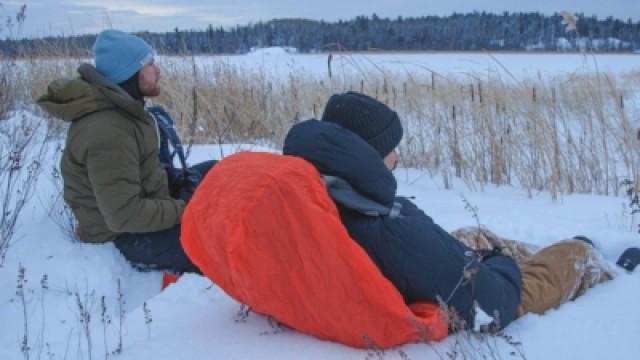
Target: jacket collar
<point x="342" y="193"/>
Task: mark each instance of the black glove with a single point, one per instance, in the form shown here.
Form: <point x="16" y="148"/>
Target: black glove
<point x="487" y="253"/>
<point x="182" y="183"/>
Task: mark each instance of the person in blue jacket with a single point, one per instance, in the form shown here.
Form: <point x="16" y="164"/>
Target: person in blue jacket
<point x="353" y="147"/>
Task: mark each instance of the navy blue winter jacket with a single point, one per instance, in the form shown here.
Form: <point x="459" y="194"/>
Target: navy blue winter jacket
<point x="421" y="259"/>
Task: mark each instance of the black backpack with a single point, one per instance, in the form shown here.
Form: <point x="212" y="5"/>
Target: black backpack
<point x="182" y="181"/>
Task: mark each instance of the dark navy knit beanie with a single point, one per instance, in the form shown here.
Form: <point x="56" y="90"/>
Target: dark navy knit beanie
<point x="119" y="55"/>
<point x="372" y="120"/>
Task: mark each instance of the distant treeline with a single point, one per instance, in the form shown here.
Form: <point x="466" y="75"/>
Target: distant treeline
<point x="472" y="31"/>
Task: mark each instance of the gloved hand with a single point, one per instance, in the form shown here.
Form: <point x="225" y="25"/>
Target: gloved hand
<point x="182" y="183"/>
<point x="487" y="253"/>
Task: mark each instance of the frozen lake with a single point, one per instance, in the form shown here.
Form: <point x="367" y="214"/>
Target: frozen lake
<point x="278" y="61"/>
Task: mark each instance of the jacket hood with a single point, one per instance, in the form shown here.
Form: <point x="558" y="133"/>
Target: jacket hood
<point x="344" y="194"/>
<point x="340" y="153"/>
<point x="73" y="98"/>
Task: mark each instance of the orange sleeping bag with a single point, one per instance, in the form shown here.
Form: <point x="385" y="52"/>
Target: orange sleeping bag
<point x="263" y="228"/>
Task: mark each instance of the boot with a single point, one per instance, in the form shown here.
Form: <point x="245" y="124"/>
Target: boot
<point x="629" y="259"/>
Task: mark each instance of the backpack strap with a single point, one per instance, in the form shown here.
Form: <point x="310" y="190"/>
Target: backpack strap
<point x="168" y="136"/>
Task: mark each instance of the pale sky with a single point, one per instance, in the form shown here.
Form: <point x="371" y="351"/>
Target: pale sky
<point x="73" y="17"/>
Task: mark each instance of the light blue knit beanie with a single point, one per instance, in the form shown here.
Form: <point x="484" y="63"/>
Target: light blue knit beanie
<point x="118" y="55"/>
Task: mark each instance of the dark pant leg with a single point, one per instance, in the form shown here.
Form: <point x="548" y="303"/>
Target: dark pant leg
<point x="159" y="250"/>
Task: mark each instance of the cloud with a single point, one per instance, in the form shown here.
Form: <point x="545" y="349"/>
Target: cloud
<point x="143" y="8"/>
<point x="72" y="17"/>
<point x="55" y="17"/>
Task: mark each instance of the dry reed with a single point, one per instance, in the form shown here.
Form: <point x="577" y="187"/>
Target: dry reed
<point x="566" y="134"/>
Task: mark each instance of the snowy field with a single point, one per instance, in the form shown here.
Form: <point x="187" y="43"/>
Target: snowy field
<point x="82" y="301"/>
<point x="280" y="62"/>
<point x="194" y="319"/>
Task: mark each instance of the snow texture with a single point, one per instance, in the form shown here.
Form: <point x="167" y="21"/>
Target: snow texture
<point x="278" y="63"/>
<point x="194" y="319"/>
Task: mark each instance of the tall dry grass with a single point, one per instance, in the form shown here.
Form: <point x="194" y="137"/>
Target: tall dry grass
<point x="574" y="133"/>
<point x="563" y="135"/>
<point x="27" y="79"/>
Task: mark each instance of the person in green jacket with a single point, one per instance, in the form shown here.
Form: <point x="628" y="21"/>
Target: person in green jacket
<point x="114" y="181"/>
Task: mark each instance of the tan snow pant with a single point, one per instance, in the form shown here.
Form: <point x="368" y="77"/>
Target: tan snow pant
<point x="550" y="276"/>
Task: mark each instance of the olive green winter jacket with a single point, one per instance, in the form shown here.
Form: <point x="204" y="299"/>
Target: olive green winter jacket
<point x="113" y="180"/>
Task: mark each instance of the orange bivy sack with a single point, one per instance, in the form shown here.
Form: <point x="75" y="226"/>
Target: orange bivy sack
<point x="263" y="228"/>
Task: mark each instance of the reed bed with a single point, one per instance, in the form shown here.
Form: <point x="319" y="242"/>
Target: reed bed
<point x="565" y="134"/>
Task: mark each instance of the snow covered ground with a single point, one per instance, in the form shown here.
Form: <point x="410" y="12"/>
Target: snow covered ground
<point x="81" y="299"/>
<point x="72" y="299"/>
<point x="279" y="63"/>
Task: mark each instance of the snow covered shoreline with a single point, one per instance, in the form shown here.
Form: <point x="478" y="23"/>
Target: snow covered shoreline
<point x="522" y="65"/>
